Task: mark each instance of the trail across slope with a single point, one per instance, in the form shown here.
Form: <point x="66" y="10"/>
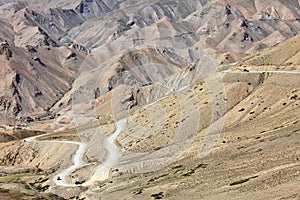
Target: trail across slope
<point x="102" y="172"/>
<point x="77" y="158"/>
<point x="113" y="152"/>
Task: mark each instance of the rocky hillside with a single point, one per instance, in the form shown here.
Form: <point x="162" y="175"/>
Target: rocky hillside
<point x="255" y="155"/>
<point x="34" y="78"/>
<point x="41" y="43"/>
<point x="152" y="99"/>
<point x="284" y="56"/>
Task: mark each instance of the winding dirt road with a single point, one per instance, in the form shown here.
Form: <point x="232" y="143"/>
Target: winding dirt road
<point x="103" y="170"/>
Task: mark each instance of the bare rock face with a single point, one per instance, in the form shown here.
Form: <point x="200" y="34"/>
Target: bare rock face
<point x="177" y="71"/>
<point x="4" y="50"/>
<point x="32" y="79"/>
<point x="282" y="55"/>
<point x="45" y="47"/>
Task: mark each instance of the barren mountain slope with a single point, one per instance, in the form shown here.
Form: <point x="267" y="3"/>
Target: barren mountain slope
<point x="33" y="79"/>
<point x="257" y="155"/>
<point x="126" y="99"/>
<point x="107" y="30"/>
<point x="283" y="56"/>
<point x="163" y="145"/>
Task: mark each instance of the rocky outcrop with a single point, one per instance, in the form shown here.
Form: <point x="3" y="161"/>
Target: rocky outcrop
<point x="33" y="80"/>
<point x="4" y="50"/>
<point x="131" y="43"/>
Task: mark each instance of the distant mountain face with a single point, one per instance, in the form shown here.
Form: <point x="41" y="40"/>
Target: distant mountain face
<point x="33" y="79"/>
<point x="282" y="56"/>
<point x="232" y="25"/>
<point x="2" y="2"/>
<point x="47" y="47"/>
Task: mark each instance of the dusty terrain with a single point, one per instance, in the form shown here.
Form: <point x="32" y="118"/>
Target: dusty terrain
<point x="52" y="51"/>
<point x="149" y="99"/>
<point x="256" y="156"/>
